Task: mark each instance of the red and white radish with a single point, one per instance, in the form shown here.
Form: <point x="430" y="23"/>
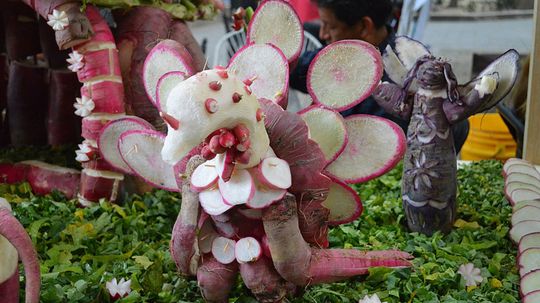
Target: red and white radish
<point x="206" y="237"/>
<point x="216" y="279"/>
<point x="44" y="178"/>
<point x="522" y="168"/>
<point x="375" y="146"/>
<point x="225" y="165"/>
<point x="344" y="74"/>
<point x="276" y="22"/>
<point x="526" y="213"/>
<point x="254" y="214"/>
<point x="221" y="218"/>
<point x="239" y="189"/>
<point x="225" y="229"/>
<point x="96" y="184"/>
<point x="268" y="78"/>
<point x="523" y="228"/>
<point x="531" y="240"/>
<point x="247" y="250"/>
<point x="509" y="187"/>
<point x="212" y="202"/>
<point x="204" y="176"/>
<point x="519" y="195"/>
<point x="223" y="250"/>
<point x="523" y="178"/>
<point x="521" y="204"/>
<point x="164" y="86"/>
<point x="265" y="196"/>
<point x="275" y="173"/>
<point x="532" y="297"/>
<point x="529" y="282"/>
<point x="529" y="260"/>
<point x="343" y="202"/>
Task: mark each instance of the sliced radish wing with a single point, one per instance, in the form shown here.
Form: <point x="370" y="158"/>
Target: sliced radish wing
<point x="108" y="139"/>
<point x="141" y="150"/>
<point x="265" y="70"/>
<point x="344" y="74"/>
<point x="531" y="240"/>
<point x="523" y="228"/>
<point x="327" y="128"/>
<point x="528" y="261"/>
<point x="164" y="86"/>
<point x="204" y="176"/>
<point x="532" y="297"/>
<point x="530" y="282"/>
<point x="223" y="250"/>
<point x="375" y="146"/>
<point x="247" y="250"/>
<point x="276" y="22"/>
<point x="212" y="202"/>
<point x="265" y="196"/>
<point x="239" y="189"/>
<point x="526" y="213"/>
<point x="343" y="202"/>
<point x="275" y="173"/>
<point x="394" y="68"/>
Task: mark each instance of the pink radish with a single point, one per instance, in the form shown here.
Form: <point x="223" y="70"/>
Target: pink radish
<point x="513" y="161"/>
<point x="271" y="75"/>
<point x="204" y="176"/>
<point x="254" y="214"/>
<point x="523" y="178"/>
<point x="343" y="202"/>
<point x="265" y="196"/>
<point x="93" y="125"/>
<point x="166" y="55"/>
<point x="212" y="202"/>
<point x="107" y="95"/>
<point x="532" y="297"/>
<point x="519" y="195"/>
<point x="531" y="240"/>
<point x="341" y="81"/>
<point x="164" y="86"/>
<point x="529" y="282"/>
<point x="523" y="228"/>
<point x="526" y="213"/>
<point x="327" y="128"/>
<point x="140" y="149"/>
<point x="529" y="260"/>
<point x="96" y="184"/>
<point x="109" y="136"/>
<point x="275" y="173"/>
<point x="215" y="279"/>
<point x="276" y="22"/>
<point x="524" y="203"/>
<point x="223" y="250"/>
<point x="375" y="146"/>
<point x="509" y="187"/>
<point x="44" y="178"/>
<point x="247" y="250"/>
<point x="239" y="189"/>
<point x="522" y="168"/>
<point x="206" y="237"/>
<point x="264" y="282"/>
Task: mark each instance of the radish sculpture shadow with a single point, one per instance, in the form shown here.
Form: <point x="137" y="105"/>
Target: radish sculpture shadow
<point x="426" y="93"/>
<point x="15" y="244"/>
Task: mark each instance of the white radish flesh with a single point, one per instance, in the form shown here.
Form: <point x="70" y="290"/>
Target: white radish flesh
<point x="248" y="250"/>
<point x="265" y="196"/>
<point x="375" y="146"/>
<point x="344" y="74"/>
<point x="513" y="161"/>
<point x="509" y="187"/>
<point x="343" y="202"/>
<point x="523" y="178"/>
<point x="206" y="237"/>
<point x="523" y="228"/>
<point x="532" y="297"/>
<point x="530" y="282"/>
<point x="164" y="86"/>
<point x="522" y="168"/>
<point x="239" y="189"/>
<point x="212" y="202"/>
<point x="524" y="203"/>
<point x="204" y="176"/>
<point x="10" y="257"/>
<point x="526" y="213"/>
<point x="531" y="240"/>
<point x="223" y="250"/>
<point x="528" y="261"/>
<point x="275" y="173"/>
<point x="519" y="195"/>
<point x="409" y="51"/>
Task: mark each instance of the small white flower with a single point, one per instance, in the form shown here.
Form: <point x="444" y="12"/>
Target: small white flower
<point x="83" y="152"/>
<point x="75" y="61"/>
<point x="372" y="299"/>
<point x="118" y="289"/>
<point x="84" y="106"/>
<point x="471" y="274"/>
<point x="58" y="20"/>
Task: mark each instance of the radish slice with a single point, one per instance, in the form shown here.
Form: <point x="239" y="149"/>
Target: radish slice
<point x="509" y="187"/>
<point x="164" y="86"/>
<point x="526" y="213"/>
<point x="409" y="51"/>
<point x="254" y="214"/>
<point x="532" y="297"/>
<point x="530" y="282"/>
<point x="344" y="74"/>
<point x="168" y="55"/>
<point x="343" y="202"/>
<point x="270" y="153"/>
<point x="225" y="165"/>
<point x="223" y="250"/>
<point x="265" y="196"/>
<point x="523" y="178"/>
<point x="247" y="250"/>
<point x="204" y="176"/>
<point x="225" y="229"/>
<point x="522" y="168"/>
<point x="531" y="240"/>
<point x="276" y="22"/>
<point x="275" y="173"/>
<point x="141" y="150"/>
<point x="108" y="140"/>
<point x="270" y="76"/>
<point x="523" y="228"/>
<point x="212" y="202"/>
<point x="239" y="189"/>
<point x="327" y="128"/>
<point x="524" y="203"/>
<point x="529" y="260"/>
<point x="221" y="218"/>
<point x="395" y="69"/>
<point x="375" y="146"/>
<point x="519" y="195"/>
<point x="206" y="237"/>
<point x="513" y="161"/>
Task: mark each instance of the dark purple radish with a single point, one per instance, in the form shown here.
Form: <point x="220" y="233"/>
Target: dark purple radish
<point x="522" y="168"/>
<point x="239" y="189"/>
<point x="525" y="214"/>
<point x="223" y="250"/>
<point x="212" y="202"/>
<point x="530" y="282"/>
<point x="532" y="297"/>
<point x="327" y="128"/>
<point x="277" y="23"/>
<point x="141" y="149"/>
<point x="20" y="21"/>
<point x="343" y="202"/>
<point x="268" y="78"/>
<point x="164" y="86"/>
<point x="529" y="260"/>
<point x="263" y="197"/>
<point x="247" y="250"/>
<point x="274" y="173"/>
<point x="519" y="195"/>
<point x="204" y="176"/>
<point x="109" y="136"/>
<point x="344" y="74"/>
<point x="523" y="178"/>
<point x="375" y="146"/>
<point x="523" y="228"/>
<point x="531" y="240"/>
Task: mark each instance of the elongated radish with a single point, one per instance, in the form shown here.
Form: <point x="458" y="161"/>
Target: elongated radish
<point x="205" y="176"/>
<point x="216" y="279"/>
<point x="275" y="173"/>
<point x="20" y="22"/>
<point x="212" y="202"/>
<point x="268" y="78"/>
<point x="375" y="146"/>
<point x="239" y="189"/>
<point x="523" y="228"/>
<point x="532" y="297"/>
<point x="264" y="282"/>
<point x="529" y="282"/>
<point x="355" y="75"/>
<point x="526" y="213"/>
<point x="343" y="202"/>
<point x="107" y="95"/>
<point x="223" y="250"/>
<point x="529" y="260"/>
<point x="276" y="22"/>
<point x="531" y="240"/>
<point x="247" y="250"/>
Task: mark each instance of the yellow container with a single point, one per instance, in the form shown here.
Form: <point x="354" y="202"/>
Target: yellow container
<point x="488" y="138"/>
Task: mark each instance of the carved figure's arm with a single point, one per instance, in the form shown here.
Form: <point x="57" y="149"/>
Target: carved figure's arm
<point x="394" y="100"/>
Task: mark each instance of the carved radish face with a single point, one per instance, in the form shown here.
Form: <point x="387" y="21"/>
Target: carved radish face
<point x="209" y="101"/>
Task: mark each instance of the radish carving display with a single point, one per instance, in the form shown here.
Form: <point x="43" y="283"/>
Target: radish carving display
<point x="425" y="92"/>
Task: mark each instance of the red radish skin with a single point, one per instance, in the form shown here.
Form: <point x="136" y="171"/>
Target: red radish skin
<point x="215" y="279"/>
<point x="98" y="184"/>
<point x="13" y="172"/>
<point x="9" y="289"/>
<point x="302" y="265"/>
<point x="531" y="240"/>
<point x="343" y="202"/>
<point x="15" y="233"/>
<point x="170" y="120"/>
<point x="183" y="245"/>
<point x="44" y="178"/>
<point x="108" y="95"/>
<point x="264" y="282"/>
<point x="532" y="297"/>
<point x="225" y="165"/>
<point x="98" y="164"/>
<point x="98" y="64"/>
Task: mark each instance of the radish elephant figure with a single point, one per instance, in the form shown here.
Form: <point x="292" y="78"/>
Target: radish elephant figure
<point x="427" y="94"/>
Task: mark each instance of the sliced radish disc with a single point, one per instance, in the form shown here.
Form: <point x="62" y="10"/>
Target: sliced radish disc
<point x="270" y="75"/>
<point x="529" y="260"/>
<point x="265" y="196"/>
<point x="526" y="213"/>
<point x="375" y="146"/>
<point x="206" y="237"/>
<point x="164" y="86"/>
<point x="409" y="51"/>
<point x="343" y="202"/>
<point x="523" y="228"/>
<point x="204" y="176"/>
<point x="524" y="203"/>
<point x="141" y="150"/>
<point x="327" y="128"/>
<point x="225" y="229"/>
<point x="523" y="168"/>
<point x="532" y="297"/>
<point x="276" y="22"/>
<point x="519" y="195"/>
<point x="523" y="178"/>
<point x="530" y="282"/>
<point x="221" y="218"/>
<point x="344" y="74"/>
<point x="223" y="250"/>
<point x="509" y="187"/>
<point x="275" y="173"/>
<point x="531" y="240"/>
<point x="108" y="139"/>
<point x="248" y="250"/>
<point x="254" y="214"/>
<point x="513" y="161"/>
<point x="239" y="189"/>
<point x="212" y="202"/>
